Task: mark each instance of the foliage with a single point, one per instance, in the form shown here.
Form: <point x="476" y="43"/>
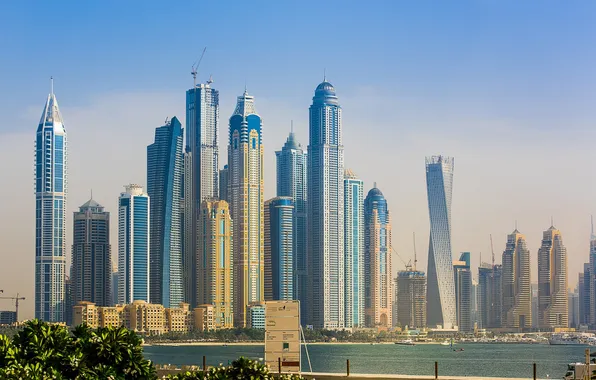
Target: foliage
<point x="222" y="335"/>
<point x="44" y="351"/>
<point x="241" y="368"/>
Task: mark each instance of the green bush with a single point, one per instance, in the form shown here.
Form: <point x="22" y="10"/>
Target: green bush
<point x="43" y="351"/>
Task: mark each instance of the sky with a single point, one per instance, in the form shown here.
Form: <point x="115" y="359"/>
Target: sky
<point x="505" y="87"/>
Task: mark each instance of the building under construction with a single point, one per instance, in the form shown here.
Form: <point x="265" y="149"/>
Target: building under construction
<point x="410" y="299"/>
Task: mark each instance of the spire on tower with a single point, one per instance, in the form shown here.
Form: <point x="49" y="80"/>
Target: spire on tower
<point x="324" y="74"/>
<point x="52" y="85"/>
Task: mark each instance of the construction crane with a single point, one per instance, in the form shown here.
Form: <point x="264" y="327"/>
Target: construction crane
<point x="16" y="302"/>
<point x="408" y="265"/>
<point x="195" y="67"/>
<point x="492" y="250"/>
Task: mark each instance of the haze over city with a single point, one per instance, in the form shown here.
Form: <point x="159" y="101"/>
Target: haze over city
<point x="507" y="89"/>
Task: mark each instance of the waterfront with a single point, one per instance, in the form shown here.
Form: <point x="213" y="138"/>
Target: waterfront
<point x="477" y="359"/>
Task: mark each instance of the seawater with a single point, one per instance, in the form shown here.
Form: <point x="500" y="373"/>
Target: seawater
<point x="485" y="360"/>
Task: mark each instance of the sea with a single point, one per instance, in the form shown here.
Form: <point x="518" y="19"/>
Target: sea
<point x="476" y="359"/>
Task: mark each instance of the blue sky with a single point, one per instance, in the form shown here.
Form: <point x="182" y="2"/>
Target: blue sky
<point x="506" y="87"/>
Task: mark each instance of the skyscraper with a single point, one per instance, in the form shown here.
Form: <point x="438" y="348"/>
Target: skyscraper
<point x="553" y="310"/>
<point x="325" y="210"/>
<point x="354" y="249"/>
<point x="245" y="191"/>
<point x="517" y="293"/>
<point x="440" y="289"/>
<point x="201" y="170"/>
<point x="164" y="187"/>
<point x="463" y="292"/>
<point x="215" y="257"/>
<point x="280" y="273"/>
<point x="591" y="283"/>
<point x="133" y="245"/>
<point x="584" y="295"/>
<point x="50" y="213"/>
<point x="223" y="183"/>
<point x="410" y="299"/>
<point x="377" y="260"/>
<point x="91" y="276"/>
<point x="490" y="295"/>
<point x="292" y="182"/>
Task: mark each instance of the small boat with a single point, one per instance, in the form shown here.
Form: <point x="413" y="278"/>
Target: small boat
<point x="406" y="342"/>
<point x="445" y="343"/>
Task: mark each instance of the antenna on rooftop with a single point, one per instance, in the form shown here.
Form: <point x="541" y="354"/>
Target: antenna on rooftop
<point x="195" y="67"/>
<point x="52" y="85"/>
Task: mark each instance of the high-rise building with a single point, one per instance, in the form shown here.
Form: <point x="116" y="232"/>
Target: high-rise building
<point x="591" y="283"/>
<point x="490" y="295"/>
<point x="245" y="191"/>
<point x="377" y="260"/>
<point x="280" y="272"/>
<point x="91" y="274"/>
<point x="553" y="311"/>
<point x="50" y="213"/>
<point x="292" y="182"/>
<point x="584" y="295"/>
<point x="440" y="298"/>
<point x="325" y="210"/>
<point x="215" y="260"/>
<point x="164" y="187"/>
<point x="223" y="184"/>
<point x="354" y="249"/>
<point x="463" y="292"/>
<point x="410" y="299"/>
<point x="517" y="293"/>
<point x="115" y="277"/>
<point x="474" y="303"/>
<point x="573" y="300"/>
<point x="133" y="245"/>
<point x="201" y="170"/>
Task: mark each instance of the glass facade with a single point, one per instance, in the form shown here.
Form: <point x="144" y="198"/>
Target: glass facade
<point x="441" y="308"/>
<point x="354" y="250"/>
<point x="326" y="211"/>
<point x="50" y="214"/>
<point x="133" y="245"/>
<point x="280" y="262"/>
<point x="292" y="182"/>
<point x="164" y="182"/>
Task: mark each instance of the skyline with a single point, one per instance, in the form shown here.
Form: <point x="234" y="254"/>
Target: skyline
<point x="521" y="160"/>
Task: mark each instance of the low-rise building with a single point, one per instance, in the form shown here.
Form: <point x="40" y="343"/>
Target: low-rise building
<point x="179" y="319"/>
<point x="87" y="313"/>
<point x="256" y="316"/>
<point x="203" y="318"/>
<point x="8" y="317"/>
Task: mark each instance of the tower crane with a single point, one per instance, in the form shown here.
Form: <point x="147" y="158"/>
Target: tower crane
<point x="195" y="67"/>
<point x="408" y="265"/>
<point x="16" y="302"/>
<point x="492" y="250"/>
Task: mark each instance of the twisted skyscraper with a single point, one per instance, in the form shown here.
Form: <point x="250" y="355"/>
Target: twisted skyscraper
<point x="326" y="210"/>
<point x="440" y="309"/>
<point x="50" y="213"/>
<point x="245" y="192"/>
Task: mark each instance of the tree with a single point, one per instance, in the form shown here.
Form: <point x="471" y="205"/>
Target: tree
<point x="44" y="351"/>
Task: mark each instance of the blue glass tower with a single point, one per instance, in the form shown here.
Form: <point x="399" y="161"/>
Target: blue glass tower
<point x="50" y="213"/>
<point x="326" y="210"/>
<point x="280" y="274"/>
<point x="164" y="182"/>
<point x="441" y="307"/>
<point x="133" y="245"/>
<point x="354" y="249"/>
<point x="378" y="300"/>
<point x="292" y="182"/>
<point x="201" y="171"/>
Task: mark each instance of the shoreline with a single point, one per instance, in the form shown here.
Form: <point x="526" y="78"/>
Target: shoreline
<point x="253" y="343"/>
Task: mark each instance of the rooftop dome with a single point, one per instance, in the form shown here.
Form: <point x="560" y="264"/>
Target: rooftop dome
<point x="375" y="192"/>
<point x="325" y="93"/>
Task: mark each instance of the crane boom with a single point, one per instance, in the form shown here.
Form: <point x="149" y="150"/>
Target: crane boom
<point x="492" y="249"/>
<point x="195" y="67"/>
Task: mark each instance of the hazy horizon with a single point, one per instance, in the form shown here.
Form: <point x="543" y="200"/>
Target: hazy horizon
<point x="505" y="88"/>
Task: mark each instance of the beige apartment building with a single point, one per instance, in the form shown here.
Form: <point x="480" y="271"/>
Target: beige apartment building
<point x="517" y="293"/>
<point x="553" y="311"/>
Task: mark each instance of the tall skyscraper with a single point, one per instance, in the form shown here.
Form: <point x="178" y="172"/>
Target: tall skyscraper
<point x="517" y="293"/>
<point x="292" y="182"/>
<point x="280" y="272"/>
<point x="553" y="309"/>
<point x="223" y="184"/>
<point x="354" y="249"/>
<point x="164" y="187"/>
<point x="463" y="292"/>
<point x="410" y="299"/>
<point x="245" y="191"/>
<point x="133" y="245"/>
<point x="50" y="213"/>
<point x="201" y="170"/>
<point x="325" y="210"/>
<point x="377" y="260"/>
<point x="215" y="257"/>
<point x="91" y="275"/>
<point x="591" y="283"/>
<point x="584" y="295"/>
<point x="441" y="309"/>
<point x="490" y="295"/>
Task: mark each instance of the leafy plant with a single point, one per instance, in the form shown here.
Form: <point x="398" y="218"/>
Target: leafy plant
<point x="240" y="369"/>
